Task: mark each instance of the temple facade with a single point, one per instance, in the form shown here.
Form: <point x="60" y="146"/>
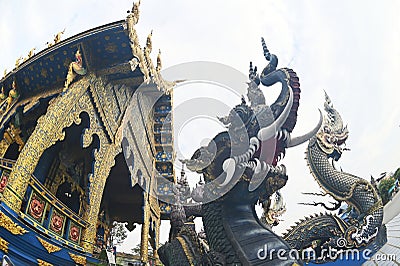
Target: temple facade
<point x="64" y="176"/>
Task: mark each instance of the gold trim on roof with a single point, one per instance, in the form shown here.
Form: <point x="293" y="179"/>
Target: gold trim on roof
<point x="78" y="259"/>
<point x="49" y="247"/>
<point x="43" y="263"/>
<point x="150" y="72"/>
<point x="3" y="245"/>
<point x="10" y="226"/>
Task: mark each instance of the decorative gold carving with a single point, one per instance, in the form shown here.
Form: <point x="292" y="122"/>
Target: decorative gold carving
<point x="11" y="135"/>
<point x="57" y="37"/>
<point x="43" y="263"/>
<point x="9" y="225"/>
<point x="12" y="95"/>
<point x="104" y="161"/>
<point x="61" y="113"/>
<point x="144" y="245"/>
<point x="78" y="259"/>
<point x="74" y="69"/>
<point x="18" y="61"/>
<point x="111" y="102"/>
<point x="145" y="62"/>
<point x="159" y="63"/>
<point x="31" y="52"/>
<point x="49" y="247"/>
<point x="3" y="245"/>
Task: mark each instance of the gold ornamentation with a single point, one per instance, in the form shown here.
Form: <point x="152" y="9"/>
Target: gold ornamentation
<point x="3" y="245"/>
<point x="62" y="112"/>
<point x="78" y="259"/>
<point x="49" y="247"/>
<point x="144" y="245"/>
<point x="150" y="72"/>
<point x="74" y="69"/>
<point x="11" y="135"/>
<point x="57" y="37"/>
<point x="10" y="226"/>
<point x="43" y="263"/>
<point x="104" y="161"/>
<point x="18" y="61"/>
<point x="149" y="43"/>
<point x="159" y="64"/>
<point x="111" y="104"/>
<point x="12" y="95"/>
<point x="31" y="52"/>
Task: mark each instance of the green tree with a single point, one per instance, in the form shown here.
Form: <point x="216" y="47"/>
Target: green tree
<point x="384" y="187"/>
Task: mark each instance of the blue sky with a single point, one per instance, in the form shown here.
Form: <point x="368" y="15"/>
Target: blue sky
<point x="351" y="49"/>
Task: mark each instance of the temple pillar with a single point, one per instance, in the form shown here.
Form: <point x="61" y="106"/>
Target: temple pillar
<point x="144" y="244"/>
<point x="104" y="161"/>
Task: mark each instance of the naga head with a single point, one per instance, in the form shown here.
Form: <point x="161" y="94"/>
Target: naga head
<point x="332" y="136"/>
<point x="257" y="136"/>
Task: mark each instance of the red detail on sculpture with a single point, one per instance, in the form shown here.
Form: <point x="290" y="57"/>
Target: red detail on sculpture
<point x="57" y="222"/>
<point x="36" y="207"/>
<point x="74" y="233"/>
<point x="3" y="182"/>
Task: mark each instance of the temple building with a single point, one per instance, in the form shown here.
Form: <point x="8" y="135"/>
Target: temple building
<point x="64" y="177"/>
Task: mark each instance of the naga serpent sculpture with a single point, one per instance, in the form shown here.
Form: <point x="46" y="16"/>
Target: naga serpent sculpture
<point x="365" y="229"/>
<point x="241" y="165"/>
<point x="240" y="168"/>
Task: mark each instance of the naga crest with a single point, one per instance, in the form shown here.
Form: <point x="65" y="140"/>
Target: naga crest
<point x="332" y="135"/>
<point x="257" y="135"/>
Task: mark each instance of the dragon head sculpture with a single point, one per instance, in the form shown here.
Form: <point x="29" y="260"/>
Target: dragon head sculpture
<point x="256" y="137"/>
<point x="332" y="136"/>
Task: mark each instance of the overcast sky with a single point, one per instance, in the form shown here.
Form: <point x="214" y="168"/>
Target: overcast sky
<point x="351" y="49"/>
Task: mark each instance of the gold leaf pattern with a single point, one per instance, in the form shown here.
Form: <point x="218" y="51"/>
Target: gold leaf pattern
<point x="49" y="247"/>
<point x="43" y="263"/>
<point x="12" y="227"/>
<point x="78" y="259"/>
<point x="3" y="245"/>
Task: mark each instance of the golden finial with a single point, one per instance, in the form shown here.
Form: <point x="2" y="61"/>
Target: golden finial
<point x="159" y="65"/>
<point x="18" y="61"/>
<point x="31" y="52"/>
<point x="135" y="11"/>
<point x="12" y="94"/>
<point x="2" y="94"/>
<point x="57" y="37"/>
<point x="149" y="43"/>
<point x="5" y="73"/>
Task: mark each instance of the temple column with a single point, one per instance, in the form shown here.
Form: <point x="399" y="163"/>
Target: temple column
<point x="104" y="161"/>
<point x="157" y="240"/>
<point x="144" y="245"/>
